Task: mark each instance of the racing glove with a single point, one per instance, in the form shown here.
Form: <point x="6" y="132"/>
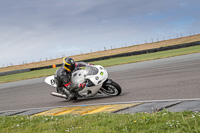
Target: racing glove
<point x="82" y="85"/>
<point x="90" y="64"/>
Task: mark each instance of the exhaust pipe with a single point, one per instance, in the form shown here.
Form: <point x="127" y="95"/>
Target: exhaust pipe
<point x="58" y="95"/>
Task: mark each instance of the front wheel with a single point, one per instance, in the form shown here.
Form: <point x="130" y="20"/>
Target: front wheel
<point x="112" y="89"/>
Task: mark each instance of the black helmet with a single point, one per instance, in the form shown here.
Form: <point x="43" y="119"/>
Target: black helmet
<point x="68" y="64"/>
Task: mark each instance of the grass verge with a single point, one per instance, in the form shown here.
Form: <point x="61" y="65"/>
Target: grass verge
<point x="150" y="56"/>
<point x="163" y="121"/>
<point x="105" y="63"/>
<point x="108" y="52"/>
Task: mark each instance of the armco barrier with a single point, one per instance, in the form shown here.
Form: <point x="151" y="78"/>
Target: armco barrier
<point x="112" y="56"/>
<point x="145" y="51"/>
<point x="39" y="68"/>
<point x="14" y="72"/>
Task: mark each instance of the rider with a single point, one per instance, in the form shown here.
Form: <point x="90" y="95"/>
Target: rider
<point x="63" y="78"/>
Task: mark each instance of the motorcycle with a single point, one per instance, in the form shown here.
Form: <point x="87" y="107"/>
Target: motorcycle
<point x="97" y="82"/>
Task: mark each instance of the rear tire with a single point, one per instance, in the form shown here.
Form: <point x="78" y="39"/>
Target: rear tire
<point x="112" y="89"/>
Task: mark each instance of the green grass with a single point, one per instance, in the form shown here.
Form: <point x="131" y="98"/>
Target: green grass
<point x="109" y="62"/>
<point x="180" y="122"/>
<point x="150" y="56"/>
<point x="27" y="75"/>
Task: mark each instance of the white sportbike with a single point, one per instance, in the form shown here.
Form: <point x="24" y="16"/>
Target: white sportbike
<point x="97" y="82"/>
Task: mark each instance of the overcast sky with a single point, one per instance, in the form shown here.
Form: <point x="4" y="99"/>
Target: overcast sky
<point x="34" y="29"/>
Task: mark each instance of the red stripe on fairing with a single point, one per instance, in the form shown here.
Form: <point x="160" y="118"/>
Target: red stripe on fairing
<point x="67" y="84"/>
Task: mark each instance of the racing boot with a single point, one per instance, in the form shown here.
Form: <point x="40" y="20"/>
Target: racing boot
<point x="70" y="95"/>
<point x="59" y="89"/>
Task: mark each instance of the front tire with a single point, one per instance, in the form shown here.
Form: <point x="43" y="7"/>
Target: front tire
<point x="112" y="89"/>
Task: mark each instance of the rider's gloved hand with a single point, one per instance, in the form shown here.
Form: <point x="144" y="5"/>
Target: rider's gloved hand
<point x="82" y="85"/>
<point x="90" y="64"/>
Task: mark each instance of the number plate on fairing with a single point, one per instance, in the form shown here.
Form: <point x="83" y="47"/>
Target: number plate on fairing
<point x="50" y="81"/>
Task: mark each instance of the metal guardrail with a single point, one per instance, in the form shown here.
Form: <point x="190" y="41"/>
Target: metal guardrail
<point x="15" y="72"/>
<point x="145" y="51"/>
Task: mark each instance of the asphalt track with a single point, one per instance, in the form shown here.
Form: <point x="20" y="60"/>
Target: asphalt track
<point x="162" y="79"/>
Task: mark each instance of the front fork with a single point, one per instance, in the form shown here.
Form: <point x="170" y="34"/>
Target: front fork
<point x="106" y="83"/>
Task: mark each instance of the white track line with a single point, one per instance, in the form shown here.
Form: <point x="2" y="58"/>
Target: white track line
<point x="145" y="101"/>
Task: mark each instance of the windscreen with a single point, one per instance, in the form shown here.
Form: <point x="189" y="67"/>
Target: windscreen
<point x="91" y="70"/>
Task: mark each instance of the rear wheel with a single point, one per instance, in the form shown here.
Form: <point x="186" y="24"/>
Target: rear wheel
<point x="112" y="89"/>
